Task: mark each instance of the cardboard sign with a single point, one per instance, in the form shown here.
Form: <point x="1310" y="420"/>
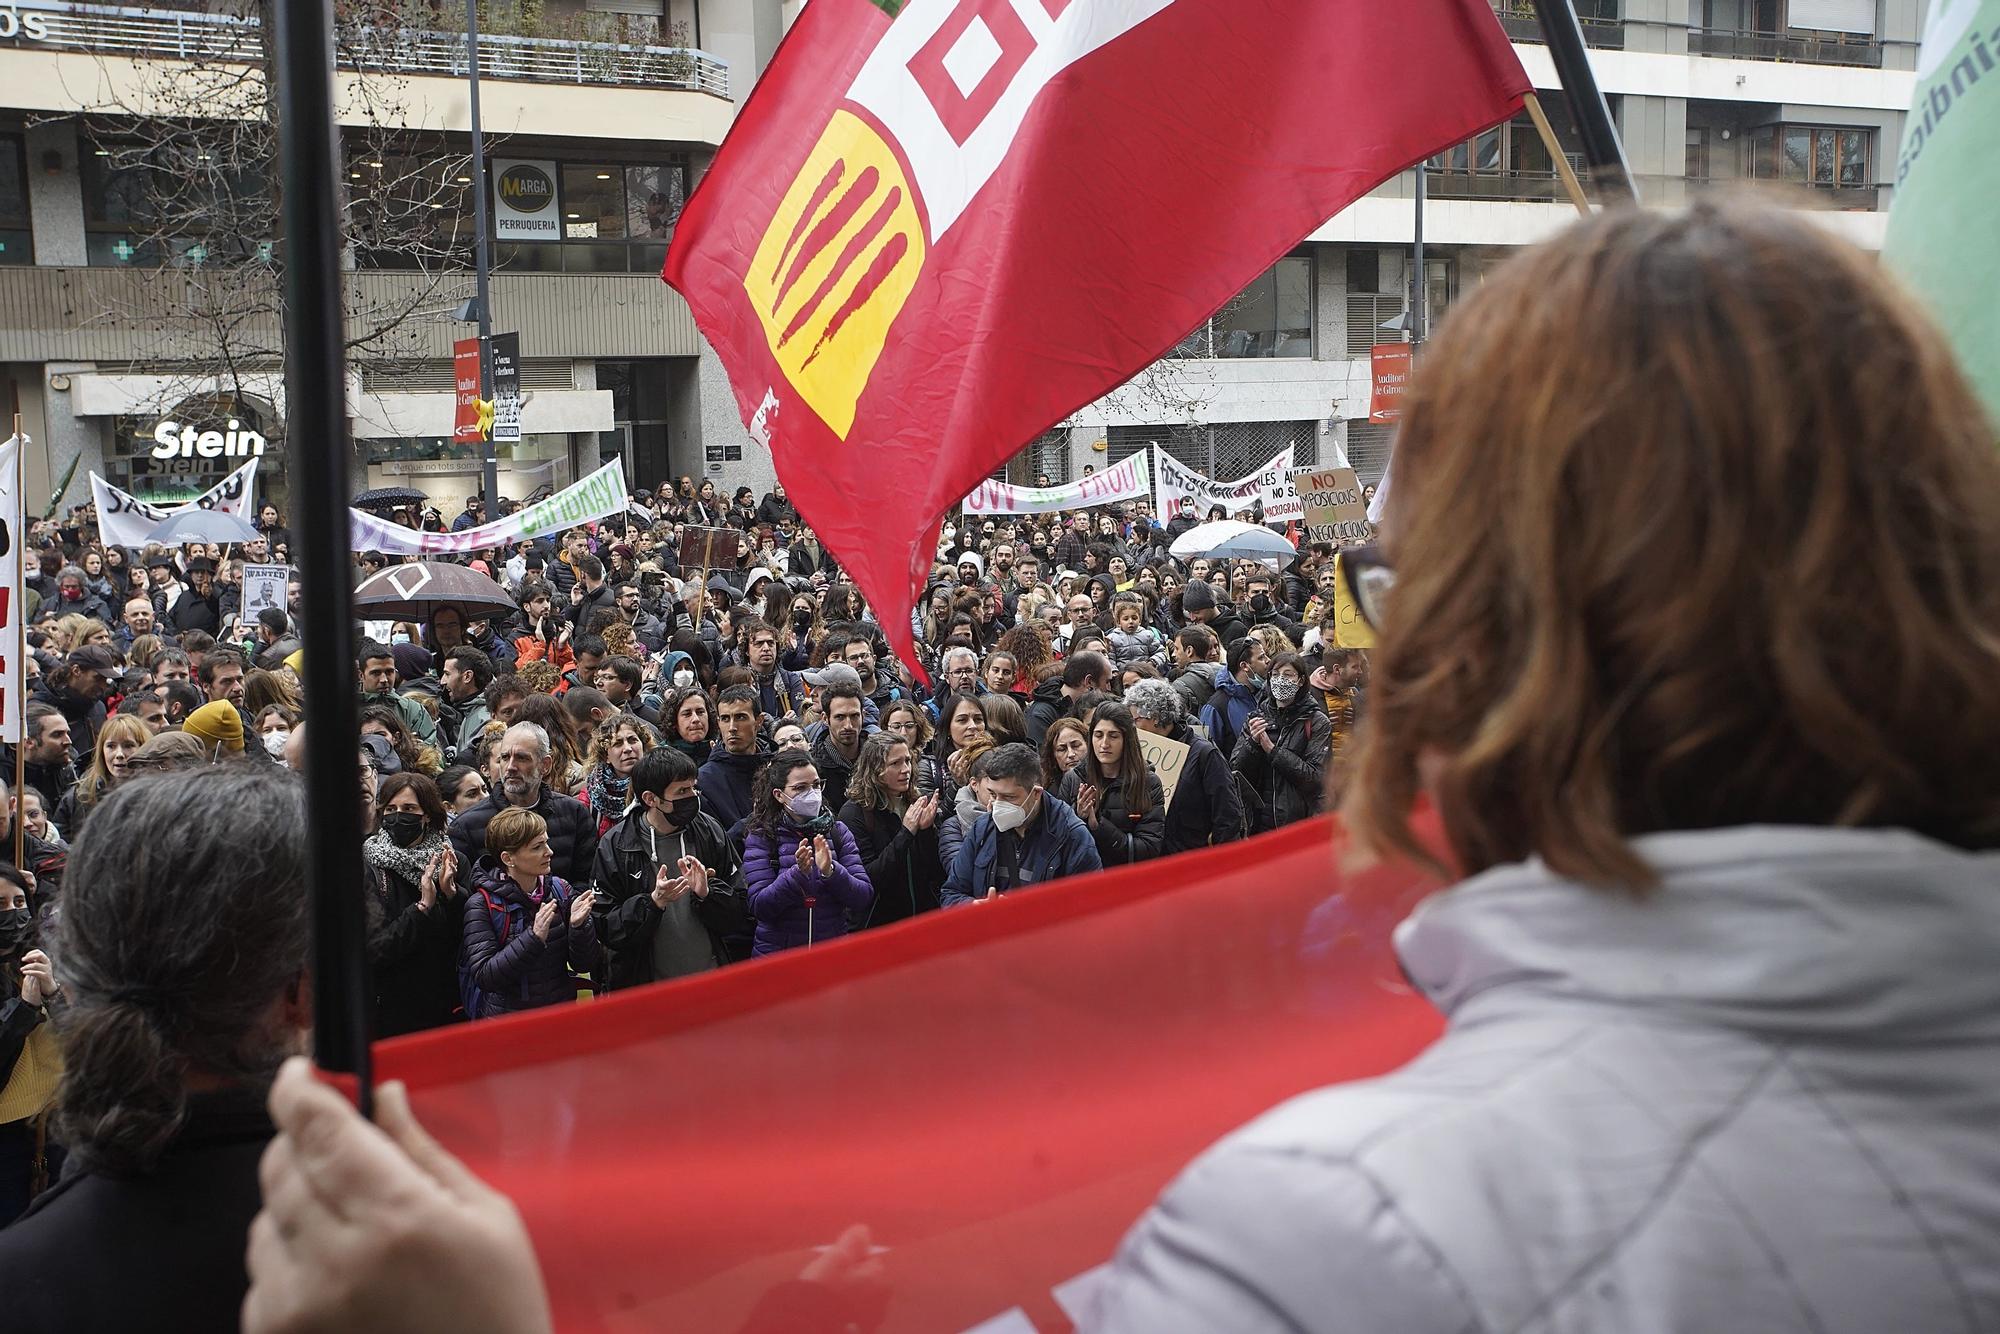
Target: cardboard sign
<point x="264" y="586"/>
<point x="1389" y="364"/>
<point x="1334" y="509"/>
<point x="709" y="549"/>
<point x="1168" y="758"/>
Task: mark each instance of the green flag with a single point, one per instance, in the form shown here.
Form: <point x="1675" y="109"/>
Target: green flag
<point x="1942" y="225"/>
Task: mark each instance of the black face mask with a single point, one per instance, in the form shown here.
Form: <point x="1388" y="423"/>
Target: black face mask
<point x="404" y="828"/>
<point x="15" y="924"/>
<point x="1260" y="604"/>
<point x="803" y="619"/>
<point x="682" y="811"/>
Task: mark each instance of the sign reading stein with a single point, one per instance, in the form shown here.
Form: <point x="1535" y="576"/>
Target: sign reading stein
<point x="526" y="206"/>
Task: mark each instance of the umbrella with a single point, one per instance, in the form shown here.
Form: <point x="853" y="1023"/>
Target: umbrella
<point x="1232" y="539"/>
<point x="388" y="498"/>
<point x="195" y="524"/>
<point x="413" y="592"/>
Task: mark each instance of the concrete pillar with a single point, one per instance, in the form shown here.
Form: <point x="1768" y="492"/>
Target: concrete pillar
<point x="55" y="199"/>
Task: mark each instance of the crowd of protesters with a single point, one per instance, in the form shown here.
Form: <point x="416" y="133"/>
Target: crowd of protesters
<point x="1718" y="986"/>
<point x="650" y="771"/>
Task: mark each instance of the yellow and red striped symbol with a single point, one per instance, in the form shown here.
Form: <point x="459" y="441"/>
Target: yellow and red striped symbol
<point x="836" y="266"/>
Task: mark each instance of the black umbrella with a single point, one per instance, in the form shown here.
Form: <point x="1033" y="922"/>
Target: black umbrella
<point x="413" y="592"/>
<point x="388" y="498"/>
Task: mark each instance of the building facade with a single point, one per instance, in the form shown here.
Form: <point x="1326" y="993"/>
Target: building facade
<point x="137" y="220"/>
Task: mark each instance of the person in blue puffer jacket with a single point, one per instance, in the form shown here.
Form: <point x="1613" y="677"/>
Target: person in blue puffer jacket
<point x="801" y="865"/>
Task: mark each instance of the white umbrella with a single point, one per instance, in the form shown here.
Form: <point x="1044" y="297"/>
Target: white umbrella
<point x="1232" y="539"/>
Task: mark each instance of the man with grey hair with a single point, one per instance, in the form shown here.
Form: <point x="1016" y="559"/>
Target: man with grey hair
<point x="525" y="758"/>
<point x="1206" y="808"/>
<point x="958" y="670"/>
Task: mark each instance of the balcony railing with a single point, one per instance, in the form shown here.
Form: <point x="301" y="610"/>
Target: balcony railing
<point x="1818" y="49"/>
<point x="189" y="35"/>
<point x="1517" y="18"/>
<point x="1538" y="187"/>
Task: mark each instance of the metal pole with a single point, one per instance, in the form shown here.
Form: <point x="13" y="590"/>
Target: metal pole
<point x="318" y="446"/>
<point x="482" y="260"/>
<point x="1587" y="107"/>
<point x="17" y="649"/>
<point x="1419" y="293"/>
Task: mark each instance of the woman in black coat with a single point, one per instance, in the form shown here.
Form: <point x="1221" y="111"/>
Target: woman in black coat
<point x="1280" y="760"/>
<point x="415" y="916"/>
<point x="1115" y="792"/>
<point x="895" y="831"/>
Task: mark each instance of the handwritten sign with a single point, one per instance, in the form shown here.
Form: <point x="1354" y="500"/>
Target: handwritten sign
<point x="709" y="548"/>
<point x="1168" y="758"/>
<point x="1334" y="509"/>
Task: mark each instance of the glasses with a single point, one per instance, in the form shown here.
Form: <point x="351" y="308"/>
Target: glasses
<point x="1368" y="577"/>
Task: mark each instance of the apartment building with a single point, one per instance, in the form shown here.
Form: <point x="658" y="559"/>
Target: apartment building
<point x="133" y="292"/>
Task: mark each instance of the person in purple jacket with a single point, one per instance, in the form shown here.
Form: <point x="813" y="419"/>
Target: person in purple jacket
<point x="801" y="865"/>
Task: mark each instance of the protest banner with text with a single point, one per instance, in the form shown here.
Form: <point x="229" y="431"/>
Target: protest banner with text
<point x="1127" y="479"/>
<point x="124" y="520"/>
<point x="597" y="496"/>
<point x="1271" y="485"/>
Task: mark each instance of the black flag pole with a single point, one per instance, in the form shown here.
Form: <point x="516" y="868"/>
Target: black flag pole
<point x="317" y="448"/>
<point x="1587" y="108"/>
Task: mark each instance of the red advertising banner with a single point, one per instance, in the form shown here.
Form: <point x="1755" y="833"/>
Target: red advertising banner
<point x="466" y="426"/>
<point x="1390" y="364"/>
<point x="975" y="1105"/>
<point x="909" y="256"/>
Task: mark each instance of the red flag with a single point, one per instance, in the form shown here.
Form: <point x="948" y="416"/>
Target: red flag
<point x="929" y="237"/>
<point x="994" y="1093"/>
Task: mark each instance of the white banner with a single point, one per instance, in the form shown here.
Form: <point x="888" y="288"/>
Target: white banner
<point x="597" y="496"/>
<point x="13" y="614"/>
<point x="1128" y="479"/>
<point x="123" y="520"/>
<point x="1272" y="484"/>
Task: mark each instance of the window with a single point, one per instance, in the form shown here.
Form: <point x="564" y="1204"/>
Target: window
<point x="1817" y="156"/>
<point x="617" y="218"/>
<point x="17" y="244"/>
<point x="1364" y="270"/>
<point x="1506" y="162"/>
<point x="174" y="202"/>
<point x="1272" y="317"/>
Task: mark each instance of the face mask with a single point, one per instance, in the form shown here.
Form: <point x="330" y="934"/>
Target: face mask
<point x="1257" y="683"/>
<point x="1260" y="604"/>
<point x="805" y="806"/>
<point x="682" y="812"/>
<point x="274" y="743"/>
<point x="72" y="595"/>
<point x="802" y="619"/>
<point x="968" y="808"/>
<point x="399" y="638"/>
<point x="14" y="926"/>
<point x="403" y="827"/>
<point x="1007" y="817"/>
<point x="1283" y="691"/>
<point x="683" y="679"/>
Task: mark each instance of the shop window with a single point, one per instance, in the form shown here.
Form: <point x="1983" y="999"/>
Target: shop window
<point x="1272" y="317"/>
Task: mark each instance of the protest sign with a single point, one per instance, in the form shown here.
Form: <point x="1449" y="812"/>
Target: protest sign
<point x="1334" y="509"/>
<point x="709" y="548"/>
<point x="124" y="520"/>
<point x="595" y="497"/>
<point x="505" y="349"/>
<point x="465" y="423"/>
<point x="1271" y="484"/>
<point x="13" y="616"/>
<point x="264" y="586"/>
<point x="1168" y="758"/>
<point x="1128" y="479"/>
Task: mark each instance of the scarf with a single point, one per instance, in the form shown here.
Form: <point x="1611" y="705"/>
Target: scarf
<point x="609" y="794"/>
<point x="410" y="863"/>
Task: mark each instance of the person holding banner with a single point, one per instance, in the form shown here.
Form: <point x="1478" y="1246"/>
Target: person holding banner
<point x="1205" y="808"/>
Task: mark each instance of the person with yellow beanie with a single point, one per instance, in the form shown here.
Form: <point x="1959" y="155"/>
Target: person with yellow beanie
<point x="218" y="726"/>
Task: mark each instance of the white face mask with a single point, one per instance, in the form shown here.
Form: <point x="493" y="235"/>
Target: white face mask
<point x="805" y="806"/>
<point x="1007" y="817"/>
<point x="274" y="743"/>
<point x="683" y="678"/>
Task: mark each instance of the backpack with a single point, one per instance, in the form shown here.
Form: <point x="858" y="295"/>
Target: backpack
<point x="471" y="996"/>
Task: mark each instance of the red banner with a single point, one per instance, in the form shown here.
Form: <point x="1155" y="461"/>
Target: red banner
<point x="466" y="427"/>
<point x="1390" y="364"/>
<point x="991" y="1095"/>
<point x="929" y="237"/>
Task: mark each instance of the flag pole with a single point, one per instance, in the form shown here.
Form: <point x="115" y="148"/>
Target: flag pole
<point x="1564" y="172"/>
<point x="1563" y="33"/>
<point x="18" y="649"/>
<point x="317" y="441"/>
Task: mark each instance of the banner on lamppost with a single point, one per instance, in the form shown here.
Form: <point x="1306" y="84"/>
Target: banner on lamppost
<point x="506" y="350"/>
<point x="465" y="421"/>
<point x="1390" y="364"/>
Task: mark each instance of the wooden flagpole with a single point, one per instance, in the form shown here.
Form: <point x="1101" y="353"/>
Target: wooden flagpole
<point x="1564" y="172"/>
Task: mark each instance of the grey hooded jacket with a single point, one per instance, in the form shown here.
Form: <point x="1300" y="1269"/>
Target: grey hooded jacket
<point x="1764" y="1098"/>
